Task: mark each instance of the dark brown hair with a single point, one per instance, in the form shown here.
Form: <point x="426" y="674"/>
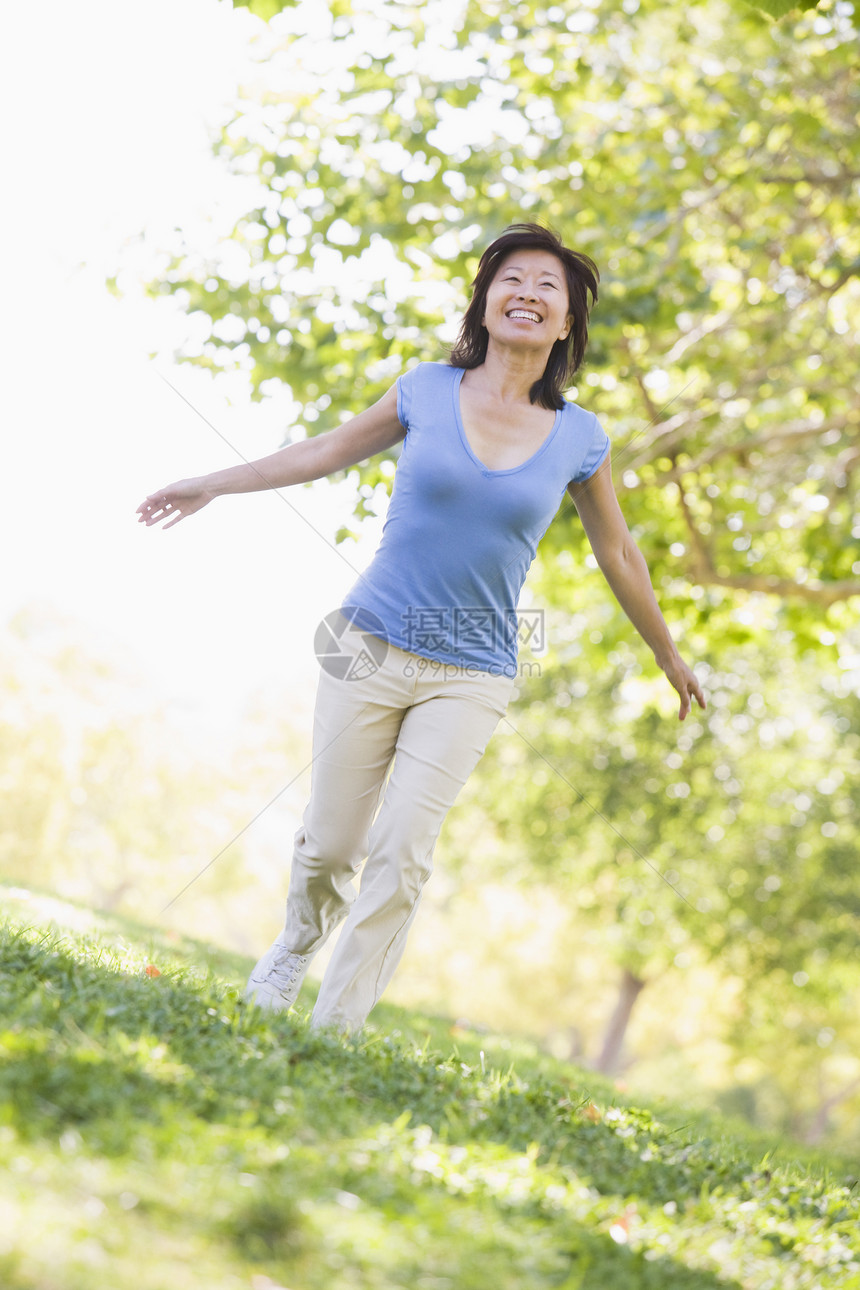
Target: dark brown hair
<point x="566" y="355"/>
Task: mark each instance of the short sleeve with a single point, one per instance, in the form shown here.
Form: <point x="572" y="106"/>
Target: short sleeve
<point x="405" y="390"/>
<point x="596" y="452"/>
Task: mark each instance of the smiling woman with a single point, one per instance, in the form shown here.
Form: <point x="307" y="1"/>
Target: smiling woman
<point x="419" y="662"/>
<point x="529" y="267"/>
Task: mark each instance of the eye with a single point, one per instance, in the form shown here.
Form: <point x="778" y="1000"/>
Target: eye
<point x="549" y="284"/>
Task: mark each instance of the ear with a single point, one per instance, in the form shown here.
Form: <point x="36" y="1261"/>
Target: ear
<point x="565" y="331"/>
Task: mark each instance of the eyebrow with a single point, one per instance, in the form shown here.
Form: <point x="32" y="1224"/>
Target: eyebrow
<point x="545" y="273"/>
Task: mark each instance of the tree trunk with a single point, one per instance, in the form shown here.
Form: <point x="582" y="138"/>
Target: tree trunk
<point x="610" y="1057"/>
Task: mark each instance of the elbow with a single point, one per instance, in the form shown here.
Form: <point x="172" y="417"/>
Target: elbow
<point x="619" y="557"/>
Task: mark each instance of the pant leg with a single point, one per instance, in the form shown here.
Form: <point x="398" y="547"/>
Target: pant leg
<point x="356" y="724"/>
<point x="441" y="739"/>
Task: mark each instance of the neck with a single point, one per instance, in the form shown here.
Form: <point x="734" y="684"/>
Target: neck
<point x="509" y="374"/>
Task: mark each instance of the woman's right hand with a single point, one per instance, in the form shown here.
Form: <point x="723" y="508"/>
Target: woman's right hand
<point x="175" y="502"/>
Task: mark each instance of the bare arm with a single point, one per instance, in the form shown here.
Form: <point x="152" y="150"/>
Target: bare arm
<point x="624" y="568"/>
<point x="363" y="436"/>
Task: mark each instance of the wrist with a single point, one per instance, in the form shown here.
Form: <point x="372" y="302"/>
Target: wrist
<point x="666" y="656"/>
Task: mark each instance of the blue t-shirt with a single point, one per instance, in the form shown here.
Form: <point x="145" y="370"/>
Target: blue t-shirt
<point x="458" y="538"/>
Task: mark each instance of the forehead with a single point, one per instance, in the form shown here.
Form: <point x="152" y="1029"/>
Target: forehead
<point x="533" y="261"/>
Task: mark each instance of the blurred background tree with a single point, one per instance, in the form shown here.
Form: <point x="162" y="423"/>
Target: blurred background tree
<point x="731" y="845"/>
<point x="716" y="189"/>
<point x="698" y="883"/>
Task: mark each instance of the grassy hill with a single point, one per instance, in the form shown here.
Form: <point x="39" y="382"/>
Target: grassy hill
<point x="154" y="1134"/>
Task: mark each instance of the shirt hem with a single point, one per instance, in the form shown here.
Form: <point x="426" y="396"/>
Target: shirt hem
<point x="508" y="667"/>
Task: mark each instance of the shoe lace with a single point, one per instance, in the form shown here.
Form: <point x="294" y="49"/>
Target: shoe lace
<point x="285" y="966"/>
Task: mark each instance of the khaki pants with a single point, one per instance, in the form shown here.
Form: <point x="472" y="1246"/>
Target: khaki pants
<point x="434" y="720"/>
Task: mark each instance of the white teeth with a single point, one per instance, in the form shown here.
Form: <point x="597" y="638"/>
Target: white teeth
<point x="524" y="313"/>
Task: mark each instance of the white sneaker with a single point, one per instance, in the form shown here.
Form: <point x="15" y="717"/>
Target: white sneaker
<point x="275" y="982"/>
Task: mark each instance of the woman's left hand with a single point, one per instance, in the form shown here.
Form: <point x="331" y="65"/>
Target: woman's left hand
<point x="684" y="680"/>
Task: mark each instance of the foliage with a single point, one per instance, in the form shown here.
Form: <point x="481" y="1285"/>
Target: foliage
<point x="779" y="8"/>
<point x="732" y="839"/>
<point x="776" y="9"/>
<point x="706" y="158"/>
<point x="153" y="1130"/>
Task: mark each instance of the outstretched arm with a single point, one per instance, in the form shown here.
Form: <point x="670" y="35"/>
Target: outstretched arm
<point x="361" y="437"/>
<point x="624" y="568"/>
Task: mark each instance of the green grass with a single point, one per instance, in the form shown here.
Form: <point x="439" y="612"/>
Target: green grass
<point x="154" y="1133"/>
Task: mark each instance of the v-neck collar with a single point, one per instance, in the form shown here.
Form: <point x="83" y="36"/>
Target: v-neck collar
<point x="510" y="470"/>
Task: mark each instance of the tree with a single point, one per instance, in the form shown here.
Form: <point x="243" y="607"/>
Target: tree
<point x="732" y="842"/>
<point x="708" y="159"/>
<point x="719" y="194"/>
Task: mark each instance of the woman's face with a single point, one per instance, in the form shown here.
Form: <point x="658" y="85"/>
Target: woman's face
<point x="527" y="302"/>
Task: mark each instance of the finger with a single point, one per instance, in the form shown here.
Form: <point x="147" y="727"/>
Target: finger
<point x="153" y="517"/>
<point x="148" y="509"/>
<point x="152" y="507"/>
<point x="152" y="501"/>
<point x="160" y="507"/>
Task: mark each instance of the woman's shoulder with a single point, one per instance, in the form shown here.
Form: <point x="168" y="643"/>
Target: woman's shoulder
<point x="429" y="371"/>
<point x="588" y="441"/>
<point x="574" y="411"/>
<point x="421" y="385"/>
<point x="580" y="418"/>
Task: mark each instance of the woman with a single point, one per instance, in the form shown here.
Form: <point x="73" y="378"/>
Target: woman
<point x="489" y="447"/>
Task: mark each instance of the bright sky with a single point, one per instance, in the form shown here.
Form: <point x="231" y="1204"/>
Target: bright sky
<point x="109" y="108"/>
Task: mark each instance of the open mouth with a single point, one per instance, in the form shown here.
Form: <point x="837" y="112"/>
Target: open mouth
<point x="527" y="315"/>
